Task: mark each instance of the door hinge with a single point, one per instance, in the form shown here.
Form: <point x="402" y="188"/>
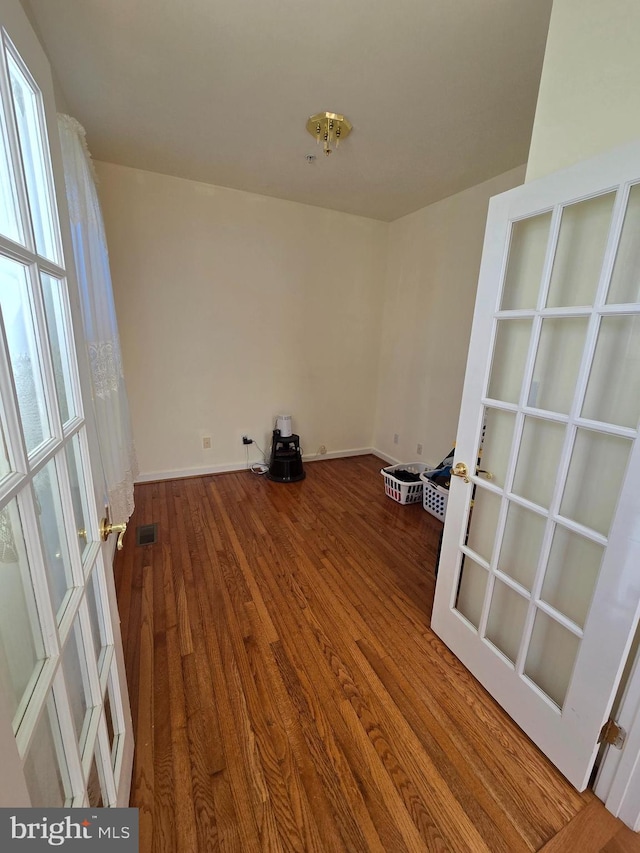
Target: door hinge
<point x="613" y="734"/>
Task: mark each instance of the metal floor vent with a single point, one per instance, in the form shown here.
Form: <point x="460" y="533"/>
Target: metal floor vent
<point x="147" y="534"/>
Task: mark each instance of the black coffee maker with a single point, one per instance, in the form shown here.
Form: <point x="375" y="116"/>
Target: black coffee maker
<point x="285" y="465"/>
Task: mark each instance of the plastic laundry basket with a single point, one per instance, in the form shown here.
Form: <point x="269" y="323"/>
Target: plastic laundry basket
<point x="404" y="493"/>
<point x="434" y="498"/>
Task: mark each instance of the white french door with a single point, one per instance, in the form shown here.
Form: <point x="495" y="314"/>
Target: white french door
<point x="65" y="725"/>
<point x="539" y="582"/>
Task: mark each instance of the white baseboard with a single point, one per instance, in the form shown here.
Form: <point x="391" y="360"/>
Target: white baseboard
<point x="390" y="459"/>
<point x="181" y="473"/>
<point x="393" y="461"/>
<point x="337" y="454"/>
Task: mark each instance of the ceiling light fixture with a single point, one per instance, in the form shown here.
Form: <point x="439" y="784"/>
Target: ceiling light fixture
<point x="330" y="128"/>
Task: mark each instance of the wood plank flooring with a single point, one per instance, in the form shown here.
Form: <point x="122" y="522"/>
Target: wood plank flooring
<point x="288" y="693"/>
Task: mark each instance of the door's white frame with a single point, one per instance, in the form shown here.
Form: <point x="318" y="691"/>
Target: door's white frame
<point x="123" y="766"/>
<point x="539" y="196"/>
<point x="618" y="781"/>
<point x="116" y="780"/>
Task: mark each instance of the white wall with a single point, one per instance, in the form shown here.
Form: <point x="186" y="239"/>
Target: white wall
<point x="432" y="274"/>
<point x="233" y="307"/>
<point x="589" y="98"/>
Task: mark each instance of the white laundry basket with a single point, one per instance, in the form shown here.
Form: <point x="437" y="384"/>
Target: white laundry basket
<point x="404" y="493"/>
<point x="434" y="498"/>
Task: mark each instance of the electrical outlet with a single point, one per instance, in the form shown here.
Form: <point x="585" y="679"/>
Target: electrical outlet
<point x="396" y="438"/>
<point x="419" y="450"/>
<point x="247" y="440"/>
<point x="323" y="449"/>
<point x="206" y="442"/>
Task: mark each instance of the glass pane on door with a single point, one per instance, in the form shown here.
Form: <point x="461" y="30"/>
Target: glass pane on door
<point x="584" y="229"/>
<point x="509" y="357"/>
<point x="10" y="225"/>
<point x="538" y="460"/>
<point x="35" y="161"/>
<point x="113" y="716"/>
<point x="25" y="363"/>
<point x="73" y="452"/>
<point x="45" y="768"/>
<point x="521" y="543"/>
<point x="625" y="281"/>
<point x="557" y="363"/>
<point x="496" y="444"/>
<point x="55" y="303"/>
<point x="22" y="652"/>
<point x="471" y="589"/>
<point x="598" y="465"/>
<point x="571" y="574"/>
<point x="483" y="520"/>
<point x="507" y="613"/>
<point x="94" y="603"/>
<point x="527" y="252"/>
<point x="551" y="656"/>
<point x="613" y="392"/>
<point x="76" y="680"/>
<point x="53" y="535"/>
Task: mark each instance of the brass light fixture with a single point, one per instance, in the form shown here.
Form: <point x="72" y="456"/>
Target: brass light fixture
<point x="329" y="128"/>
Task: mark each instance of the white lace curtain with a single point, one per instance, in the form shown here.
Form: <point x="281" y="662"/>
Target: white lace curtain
<point x="99" y="319"/>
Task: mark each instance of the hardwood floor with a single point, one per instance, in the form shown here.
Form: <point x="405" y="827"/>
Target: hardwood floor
<point x="288" y="693"/>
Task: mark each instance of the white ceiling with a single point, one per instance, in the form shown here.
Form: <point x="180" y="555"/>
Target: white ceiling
<point x="441" y="93"/>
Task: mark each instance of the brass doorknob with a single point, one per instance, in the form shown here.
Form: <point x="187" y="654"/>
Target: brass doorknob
<point x="107" y="528"/>
<point x="460" y="470"/>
